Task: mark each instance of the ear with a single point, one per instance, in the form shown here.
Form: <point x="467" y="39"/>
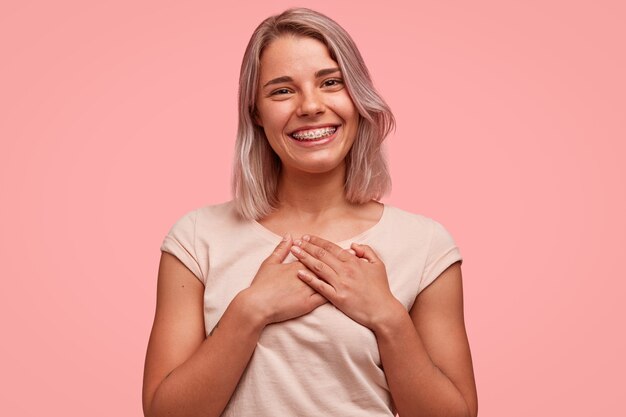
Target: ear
<point x="256" y="118"/>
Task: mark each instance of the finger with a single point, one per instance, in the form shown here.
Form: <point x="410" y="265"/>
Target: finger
<point x="319" y="261"/>
<point x="281" y="251"/>
<point x="320" y="247"/>
<point x="328" y="246"/>
<point x="353" y="253"/>
<point x="365" y="252"/>
<point x="315" y="300"/>
<point x="319" y="285"/>
<point x="318" y="267"/>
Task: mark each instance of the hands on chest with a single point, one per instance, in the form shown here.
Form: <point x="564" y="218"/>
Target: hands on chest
<point x="353" y="280"/>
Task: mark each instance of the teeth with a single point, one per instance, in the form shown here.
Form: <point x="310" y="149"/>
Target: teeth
<point x="314" y="134"/>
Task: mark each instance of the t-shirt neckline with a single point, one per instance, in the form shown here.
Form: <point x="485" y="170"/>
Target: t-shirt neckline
<point x="274" y="238"/>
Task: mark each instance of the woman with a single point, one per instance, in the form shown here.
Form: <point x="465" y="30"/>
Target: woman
<point x="305" y="296"/>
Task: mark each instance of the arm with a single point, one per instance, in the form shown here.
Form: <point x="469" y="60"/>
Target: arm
<point x="426" y="354"/>
<point x="187" y="374"/>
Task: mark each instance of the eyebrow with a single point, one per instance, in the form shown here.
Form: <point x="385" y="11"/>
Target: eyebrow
<point x="286" y="78"/>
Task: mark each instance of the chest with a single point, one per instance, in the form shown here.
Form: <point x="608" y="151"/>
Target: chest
<point x="232" y="270"/>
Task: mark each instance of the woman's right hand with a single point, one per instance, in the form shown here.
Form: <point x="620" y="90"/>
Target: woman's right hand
<point x="277" y="292"/>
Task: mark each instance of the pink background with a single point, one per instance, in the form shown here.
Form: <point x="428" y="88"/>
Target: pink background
<point x="118" y="117"/>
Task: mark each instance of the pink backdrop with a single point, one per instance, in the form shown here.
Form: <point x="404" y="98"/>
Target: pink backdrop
<point x="118" y="117"/>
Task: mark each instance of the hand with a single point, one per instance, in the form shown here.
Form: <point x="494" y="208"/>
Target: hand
<point x="278" y="292"/>
<point x="355" y="283"/>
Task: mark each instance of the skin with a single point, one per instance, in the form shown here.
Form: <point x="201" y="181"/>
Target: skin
<point x="424" y="352"/>
<point x="306" y="100"/>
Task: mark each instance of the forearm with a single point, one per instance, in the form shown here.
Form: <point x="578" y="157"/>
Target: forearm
<point x="417" y="386"/>
<point x="203" y="385"/>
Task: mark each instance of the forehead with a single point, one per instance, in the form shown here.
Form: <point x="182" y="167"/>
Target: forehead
<point x="294" y="56"/>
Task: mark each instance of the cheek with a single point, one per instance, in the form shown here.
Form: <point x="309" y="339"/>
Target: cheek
<point x="276" y="118"/>
<point x="345" y="109"/>
<point x="274" y="135"/>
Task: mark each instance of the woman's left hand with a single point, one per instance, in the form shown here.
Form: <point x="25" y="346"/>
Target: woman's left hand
<point x="354" y="281"/>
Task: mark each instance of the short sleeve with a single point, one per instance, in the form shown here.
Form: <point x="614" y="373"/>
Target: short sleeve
<point x="180" y="242"/>
<point x="442" y="252"/>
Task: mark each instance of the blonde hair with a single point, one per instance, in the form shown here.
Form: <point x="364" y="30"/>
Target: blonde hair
<point x="256" y="167"/>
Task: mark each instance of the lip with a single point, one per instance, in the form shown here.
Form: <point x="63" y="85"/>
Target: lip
<point x="309" y="127"/>
<point x="319" y="142"/>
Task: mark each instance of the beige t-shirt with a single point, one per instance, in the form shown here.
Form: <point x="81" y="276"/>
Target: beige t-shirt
<point x="323" y="363"/>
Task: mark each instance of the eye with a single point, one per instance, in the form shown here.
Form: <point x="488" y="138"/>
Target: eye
<point x="280" y="91"/>
<point x="333" y="82"/>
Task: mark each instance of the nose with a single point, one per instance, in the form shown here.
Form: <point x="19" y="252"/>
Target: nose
<point x="311" y="103"/>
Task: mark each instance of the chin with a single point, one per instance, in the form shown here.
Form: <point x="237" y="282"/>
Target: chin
<point x="319" y="166"/>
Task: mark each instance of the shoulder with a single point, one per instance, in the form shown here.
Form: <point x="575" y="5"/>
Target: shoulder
<point x="207" y="214"/>
<point x="213" y="224"/>
<point x="409" y="223"/>
<point x="402" y="215"/>
<point x="220" y="218"/>
<point x="192" y="234"/>
<point x="207" y="223"/>
<point x="426" y="233"/>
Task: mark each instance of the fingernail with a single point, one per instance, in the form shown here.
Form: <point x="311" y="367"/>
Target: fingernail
<point x="298" y="242"/>
<point x="306" y="237"/>
<point x="286" y="237"/>
<point x="296" y="249"/>
<point x="304" y="275"/>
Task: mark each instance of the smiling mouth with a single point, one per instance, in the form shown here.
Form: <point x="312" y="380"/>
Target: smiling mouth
<point x="313" y="134"/>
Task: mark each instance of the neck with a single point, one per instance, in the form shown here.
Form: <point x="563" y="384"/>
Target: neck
<point x="310" y="195"/>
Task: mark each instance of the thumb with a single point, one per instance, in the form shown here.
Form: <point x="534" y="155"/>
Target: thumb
<point x="316" y="300"/>
<point x="281" y="251"/>
<point x="364" y="251"/>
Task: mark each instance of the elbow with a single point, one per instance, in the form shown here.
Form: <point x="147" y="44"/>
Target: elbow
<point x="147" y="409"/>
<point x="150" y="399"/>
<point x="470" y="409"/>
<point x="156" y="408"/>
<point x="473" y="407"/>
<point x="145" y="405"/>
<point x="465" y="409"/>
<point x="474" y="411"/>
<point x="453" y="409"/>
<point x="457" y="407"/>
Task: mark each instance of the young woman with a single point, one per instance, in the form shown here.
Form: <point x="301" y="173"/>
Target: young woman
<point x="305" y="296"/>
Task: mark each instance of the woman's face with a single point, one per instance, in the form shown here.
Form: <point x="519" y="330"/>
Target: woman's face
<point x="303" y="105"/>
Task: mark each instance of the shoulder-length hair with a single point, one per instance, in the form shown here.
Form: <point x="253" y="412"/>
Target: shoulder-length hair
<point x="256" y="167"/>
